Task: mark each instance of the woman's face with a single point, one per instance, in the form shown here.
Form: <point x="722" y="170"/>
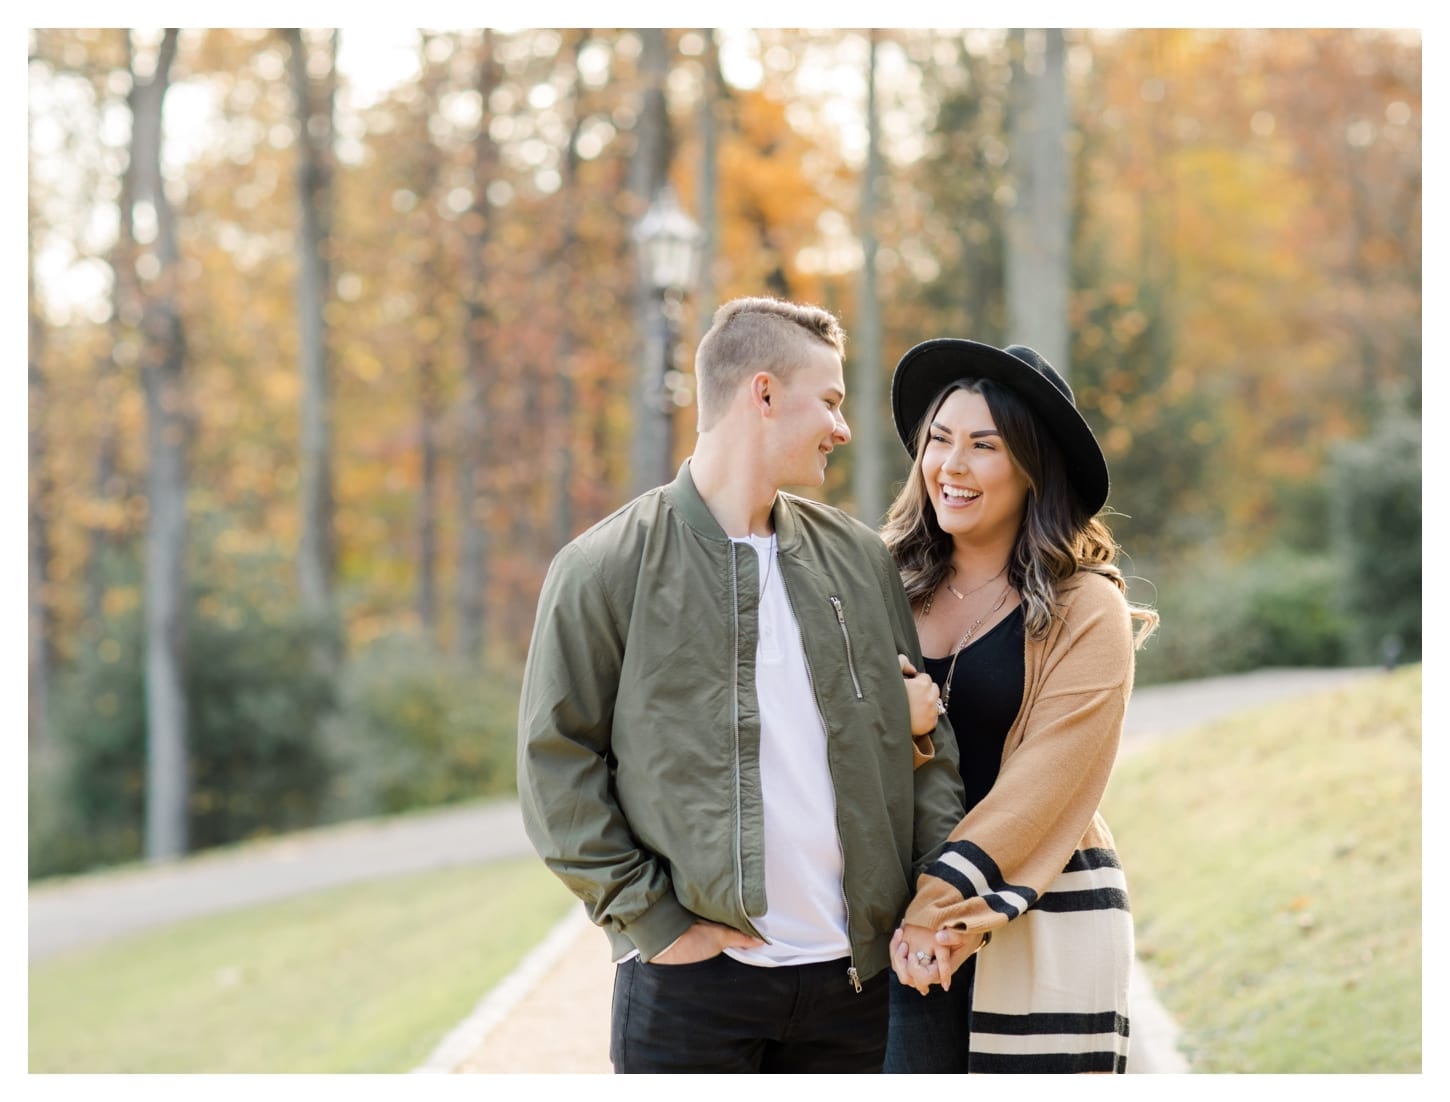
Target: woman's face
<point x="978" y="491"/>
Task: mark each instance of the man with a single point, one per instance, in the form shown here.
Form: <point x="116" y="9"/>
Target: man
<point x="715" y="748"/>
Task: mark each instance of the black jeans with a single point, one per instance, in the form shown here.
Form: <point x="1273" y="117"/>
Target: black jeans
<point x="931" y="1033"/>
<point x="719" y="1015"/>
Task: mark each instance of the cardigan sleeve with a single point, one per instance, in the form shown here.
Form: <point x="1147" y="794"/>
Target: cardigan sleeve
<point x="1019" y="837"/>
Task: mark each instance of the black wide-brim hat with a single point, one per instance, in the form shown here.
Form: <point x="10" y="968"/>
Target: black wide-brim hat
<point x="929" y="368"/>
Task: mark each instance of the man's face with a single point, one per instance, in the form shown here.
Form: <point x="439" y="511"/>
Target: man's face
<point x="808" y="421"/>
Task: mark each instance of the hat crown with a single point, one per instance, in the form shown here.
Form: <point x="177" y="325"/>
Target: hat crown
<point x="1033" y="359"/>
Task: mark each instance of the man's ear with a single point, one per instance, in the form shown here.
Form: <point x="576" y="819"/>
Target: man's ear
<point x="762" y="386"/>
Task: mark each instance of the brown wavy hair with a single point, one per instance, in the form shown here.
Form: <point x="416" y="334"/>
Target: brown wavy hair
<point x="1057" y="538"/>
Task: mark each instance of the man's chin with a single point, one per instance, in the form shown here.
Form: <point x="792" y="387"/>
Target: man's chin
<point x="807" y="481"/>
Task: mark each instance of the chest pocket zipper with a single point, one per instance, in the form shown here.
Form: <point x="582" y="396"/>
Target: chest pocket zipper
<point x="846" y="635"/>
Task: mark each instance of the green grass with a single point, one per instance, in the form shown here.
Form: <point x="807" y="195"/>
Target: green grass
<point x="1274" y="864"/>
<point x="364" y="978"/>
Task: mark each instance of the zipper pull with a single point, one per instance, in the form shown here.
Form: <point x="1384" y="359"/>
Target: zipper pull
<point x="855" y="978"/>
<point x="841" y="619"/>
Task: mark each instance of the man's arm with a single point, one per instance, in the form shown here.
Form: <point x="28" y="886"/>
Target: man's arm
<point x="566" y="711"/>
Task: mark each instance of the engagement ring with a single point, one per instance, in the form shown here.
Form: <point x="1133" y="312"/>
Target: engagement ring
<point x="923" y="958"/>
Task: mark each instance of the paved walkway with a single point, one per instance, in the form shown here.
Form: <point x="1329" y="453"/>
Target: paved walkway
<point x="69" y="914"/>
<point x="552" y="1013"/>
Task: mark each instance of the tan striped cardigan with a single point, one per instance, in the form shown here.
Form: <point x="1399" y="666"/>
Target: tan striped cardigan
<point x="1033" y="865"/>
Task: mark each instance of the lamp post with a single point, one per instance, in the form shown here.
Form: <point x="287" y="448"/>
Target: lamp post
<point x="668" y="241"/>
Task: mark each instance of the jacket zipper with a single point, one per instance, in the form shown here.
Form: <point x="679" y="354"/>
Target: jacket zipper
<point x="846" y="635"/>
<point x="735" y="704"/>
<point x="851" y="974"/>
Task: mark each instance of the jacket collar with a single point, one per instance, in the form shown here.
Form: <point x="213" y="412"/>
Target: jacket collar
<point x="685" y="498"/>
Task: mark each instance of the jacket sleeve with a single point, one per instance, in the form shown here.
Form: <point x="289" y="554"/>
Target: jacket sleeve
<point x="938" y="793"/>
<point x="1019" y="838"/>
<point x="566" y="712"/>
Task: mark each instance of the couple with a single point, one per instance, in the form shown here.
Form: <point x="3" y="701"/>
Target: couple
<point x="797" y="843"/>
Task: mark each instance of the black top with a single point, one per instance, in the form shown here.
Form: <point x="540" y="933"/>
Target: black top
<point x="986" y="695"/>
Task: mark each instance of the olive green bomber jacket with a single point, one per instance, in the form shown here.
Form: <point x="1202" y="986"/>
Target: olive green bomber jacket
<point x="638" y="756"/>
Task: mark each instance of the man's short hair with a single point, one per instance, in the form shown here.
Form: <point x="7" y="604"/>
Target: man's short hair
<point x="757" y="334"/>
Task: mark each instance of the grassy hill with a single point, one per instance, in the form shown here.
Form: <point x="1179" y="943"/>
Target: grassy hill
<point x="1274" y="862"/>
<point x="362" y="978"/>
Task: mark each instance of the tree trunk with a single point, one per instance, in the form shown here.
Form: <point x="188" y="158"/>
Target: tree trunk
<point x="316" y="554"/>
<point x="473" y="490"/>
<point x="107" y="484"/>
<point x="705" y="301"/>
<point x="1039" y="221"/>
<point x="162" y="359"/>
<point x="39" y="537"/>
<point x="866" y="379"/>
<point x="651" y="450"/>
<point x="565" y="343"/>
<point x="429" y="411"/>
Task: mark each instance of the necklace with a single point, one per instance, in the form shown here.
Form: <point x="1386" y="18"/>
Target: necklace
<point x="946" y="689"/>
<point x="959" y="595"/>
<point x="769" y="562"/>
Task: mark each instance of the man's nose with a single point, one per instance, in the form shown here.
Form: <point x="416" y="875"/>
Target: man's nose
<point x="843" y="430"/>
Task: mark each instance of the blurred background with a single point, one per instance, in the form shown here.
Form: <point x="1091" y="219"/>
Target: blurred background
<point x="337" y="336"/>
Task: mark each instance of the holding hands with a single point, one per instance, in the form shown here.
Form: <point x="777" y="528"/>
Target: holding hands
<point x="921" y="957"/>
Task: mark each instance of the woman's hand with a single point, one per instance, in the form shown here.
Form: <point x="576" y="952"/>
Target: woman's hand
<point x="953" y="947"/>
<point x="924" y="697"/>
<point x="914" y="959"/>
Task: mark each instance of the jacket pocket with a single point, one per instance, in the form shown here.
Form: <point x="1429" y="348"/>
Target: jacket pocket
<point x="846" y="638"/>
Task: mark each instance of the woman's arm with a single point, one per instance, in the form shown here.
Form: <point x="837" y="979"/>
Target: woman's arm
<point x="1016" y="841"/>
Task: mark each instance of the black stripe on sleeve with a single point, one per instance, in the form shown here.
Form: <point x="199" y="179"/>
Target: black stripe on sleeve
<point x="1095" y="858"/>
<point x="1094" y="899"/>
<point x="979" y="857"/>
<point x="955" y="877"/>
<point x="991" y="874"/>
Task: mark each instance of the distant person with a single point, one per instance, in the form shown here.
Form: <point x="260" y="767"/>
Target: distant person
<point x="715" y="739"/>
<point x="1022" y="610"/>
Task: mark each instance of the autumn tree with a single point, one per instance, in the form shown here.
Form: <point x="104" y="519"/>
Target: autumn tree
<point x="313" y="97"/>
<point x="1038" y="217"/>
<point x="867" y="478"/>
<point x="479" y="344"/>
<point x="163" y="357"/>
<point x="649" y="171"/>
<point x="41" y="500"/>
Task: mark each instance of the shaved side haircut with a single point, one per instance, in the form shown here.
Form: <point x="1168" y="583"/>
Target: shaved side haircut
<point x="757" y="334"/>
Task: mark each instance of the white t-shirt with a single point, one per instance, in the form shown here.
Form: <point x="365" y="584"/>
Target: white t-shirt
<point x="806" y="917"/>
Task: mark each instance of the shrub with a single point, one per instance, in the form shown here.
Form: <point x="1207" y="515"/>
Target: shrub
<point x="415" y="728"/>
<point x="1376" y="523"/>
<point x="256" y="765"/>
<point x="1278" y="609"/>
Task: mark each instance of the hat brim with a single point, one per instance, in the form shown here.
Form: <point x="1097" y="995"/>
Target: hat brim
<point x="930" y="367"/>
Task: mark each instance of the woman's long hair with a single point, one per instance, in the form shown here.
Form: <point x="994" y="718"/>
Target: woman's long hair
<point x="1057" y="537"/>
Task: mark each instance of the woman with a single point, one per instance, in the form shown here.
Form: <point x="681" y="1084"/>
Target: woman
<point x="1001" y="555"/>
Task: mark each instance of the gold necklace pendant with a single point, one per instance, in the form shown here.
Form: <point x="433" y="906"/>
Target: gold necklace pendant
<point x="959" y="595"/>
